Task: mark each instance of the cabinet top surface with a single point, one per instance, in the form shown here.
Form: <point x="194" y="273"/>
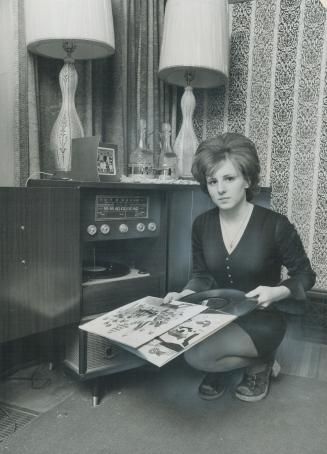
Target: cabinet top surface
<point x="51" y="183"/>
<point x="190" y="185"/>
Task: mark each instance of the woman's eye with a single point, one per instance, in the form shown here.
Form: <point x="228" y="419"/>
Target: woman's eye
<point x="230" y="178"/>
<point x="212" y="182"/>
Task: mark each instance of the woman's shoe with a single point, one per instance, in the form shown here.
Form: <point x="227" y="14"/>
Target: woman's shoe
<point x="275" y="371"/>
<point x="255" y="384"/>
<point x="212" y="386"/>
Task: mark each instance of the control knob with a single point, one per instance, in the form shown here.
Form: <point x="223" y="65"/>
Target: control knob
<point x="152" y="226"/>
<point x="104" y="229"/>
<point x="123" y="228"/>
<point x="140" y="227"/>
<point x="91" y="229"/>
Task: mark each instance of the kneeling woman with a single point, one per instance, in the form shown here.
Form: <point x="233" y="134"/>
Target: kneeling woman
<point x="242" y="246"/>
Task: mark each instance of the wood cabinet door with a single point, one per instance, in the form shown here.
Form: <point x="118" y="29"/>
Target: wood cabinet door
<point x="40" y="271"/>
<point x="184" y="207"/>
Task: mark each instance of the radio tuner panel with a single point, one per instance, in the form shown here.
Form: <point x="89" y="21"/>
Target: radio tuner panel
<point x="120" y="214"/>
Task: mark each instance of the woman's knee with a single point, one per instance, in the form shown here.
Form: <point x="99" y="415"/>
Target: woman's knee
<point x="222" y="350"/>
<point x="224" y="364"/>
<point x="196" y="358"/>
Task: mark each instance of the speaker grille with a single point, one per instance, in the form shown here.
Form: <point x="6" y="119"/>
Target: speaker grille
<point x="100" y="353"/>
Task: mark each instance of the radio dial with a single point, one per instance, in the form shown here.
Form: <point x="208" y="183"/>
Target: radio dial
<point x="140" y="227"/>
<point x="152" y="226"/>
<point x="123" y="228"/>
<point x="91" y="229"/>
<point x="104" y="229"/>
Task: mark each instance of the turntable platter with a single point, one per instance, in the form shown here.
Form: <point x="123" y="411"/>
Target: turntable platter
<point x="104" y="270"/>
<point x="94" y="269"/>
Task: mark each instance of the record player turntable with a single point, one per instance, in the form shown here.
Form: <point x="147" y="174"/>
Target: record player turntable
<point x="104" y="270"/>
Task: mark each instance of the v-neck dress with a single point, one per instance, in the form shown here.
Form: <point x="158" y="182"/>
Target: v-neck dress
<point x="269" y="242"/>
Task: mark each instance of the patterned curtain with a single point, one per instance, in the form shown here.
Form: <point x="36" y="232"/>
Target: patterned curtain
<point x="112" y="94"/>
<point x="13" y="102"/>
<point x="8" y="100"/>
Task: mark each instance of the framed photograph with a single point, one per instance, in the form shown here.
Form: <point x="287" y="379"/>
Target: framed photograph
<point x="107" y="162"/>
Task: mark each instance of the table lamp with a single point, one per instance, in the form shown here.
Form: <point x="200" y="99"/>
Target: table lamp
<point x="69" y="30"/>
<point x="194" y="53"/>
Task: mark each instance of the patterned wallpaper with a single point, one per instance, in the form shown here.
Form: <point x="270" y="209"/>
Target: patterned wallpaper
<point x="277" y="95"/>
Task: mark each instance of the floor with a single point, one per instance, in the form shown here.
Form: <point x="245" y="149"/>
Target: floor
<point x="39" y="389"/>
<point x="30" y="393"/>
<point x="151" y="412"/>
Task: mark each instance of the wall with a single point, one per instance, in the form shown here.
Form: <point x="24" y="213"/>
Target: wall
<point x="277" y="95"/>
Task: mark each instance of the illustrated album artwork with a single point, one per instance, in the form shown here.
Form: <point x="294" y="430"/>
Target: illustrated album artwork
<point x="158" y="332"/>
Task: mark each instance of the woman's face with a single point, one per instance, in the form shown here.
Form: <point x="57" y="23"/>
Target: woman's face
<point x="227" y="186"/>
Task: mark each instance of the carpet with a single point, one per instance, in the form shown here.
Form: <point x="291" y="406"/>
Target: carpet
<point x="159" y="412"/>
<point x="36" y="388"/>
<point x="28" y="393"/>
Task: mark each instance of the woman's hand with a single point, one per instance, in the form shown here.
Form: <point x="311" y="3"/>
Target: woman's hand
<point x="173" y="296"/>
<point x="267" y="295"/>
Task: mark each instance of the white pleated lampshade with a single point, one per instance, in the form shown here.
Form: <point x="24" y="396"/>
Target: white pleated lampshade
<point x="89" y="23"/>
<point x="196" y="40"/>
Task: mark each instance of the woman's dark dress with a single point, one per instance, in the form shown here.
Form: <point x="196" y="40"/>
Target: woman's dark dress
<point x="269" y="242"/>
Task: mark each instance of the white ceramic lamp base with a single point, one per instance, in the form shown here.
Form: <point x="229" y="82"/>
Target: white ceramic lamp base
<point x="186" y="142"/>
<point x="68" y="125"/>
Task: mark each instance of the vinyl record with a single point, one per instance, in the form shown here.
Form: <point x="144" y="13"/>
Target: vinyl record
<point x="104" y="269"/>
<point x="230" y="301"/>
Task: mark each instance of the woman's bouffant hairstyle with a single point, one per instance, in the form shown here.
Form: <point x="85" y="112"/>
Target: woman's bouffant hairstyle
<point x="236" y="147"/>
